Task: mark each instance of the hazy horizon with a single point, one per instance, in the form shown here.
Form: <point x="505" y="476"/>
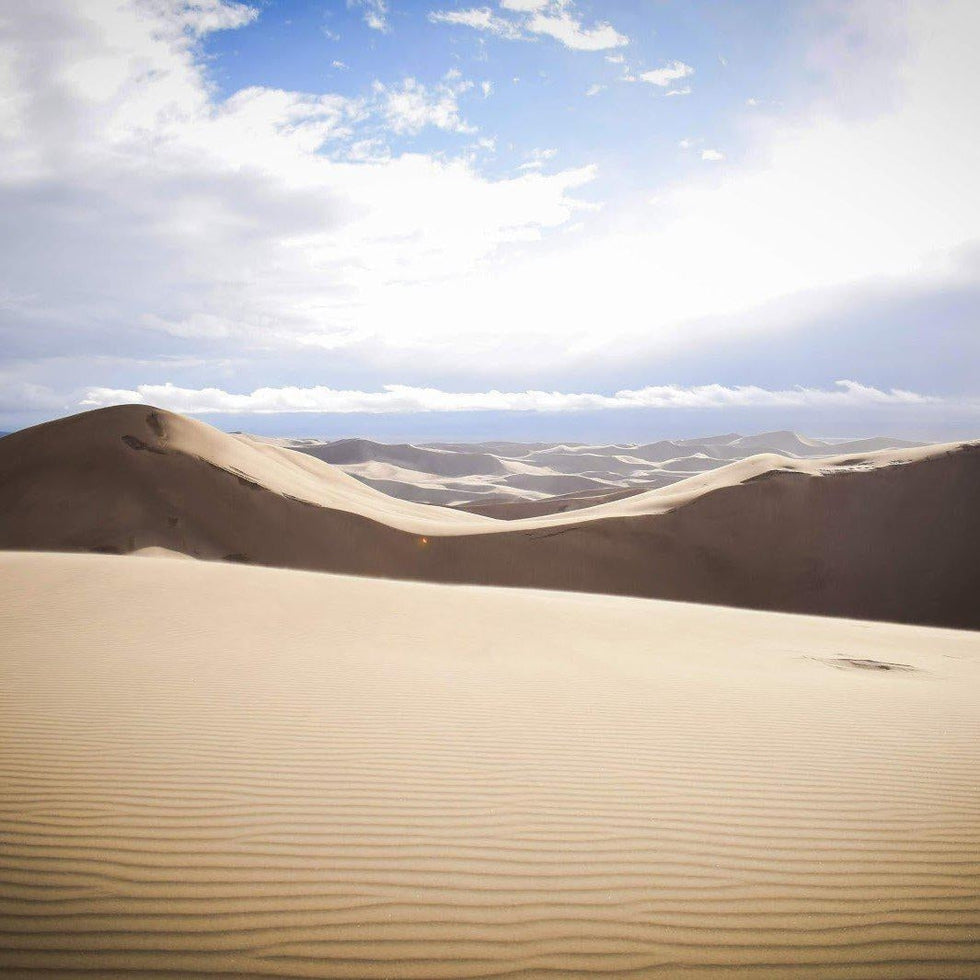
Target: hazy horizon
<point x="584" y="428"/>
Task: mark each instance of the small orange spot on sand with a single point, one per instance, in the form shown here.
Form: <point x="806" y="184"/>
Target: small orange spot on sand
<point x="424" y="541"/>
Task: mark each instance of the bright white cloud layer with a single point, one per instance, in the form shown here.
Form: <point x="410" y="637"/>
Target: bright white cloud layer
<point x="400" y="399"/>
<point x="140" y="212"/>
<point x="272" y="217"/>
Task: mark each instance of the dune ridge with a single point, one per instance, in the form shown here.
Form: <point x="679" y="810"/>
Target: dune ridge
<point x="460" y="474"/>
<point x="892" y="535"/>
<point x="254" y="772"/>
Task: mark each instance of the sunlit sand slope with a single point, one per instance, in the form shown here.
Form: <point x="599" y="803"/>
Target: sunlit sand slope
<point x="892" y="535"/>
<point x="210" y="770"/>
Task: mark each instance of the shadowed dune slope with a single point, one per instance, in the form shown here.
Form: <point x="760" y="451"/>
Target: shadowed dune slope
<point x="860" y="536"/>
<point x="217" y="771"/>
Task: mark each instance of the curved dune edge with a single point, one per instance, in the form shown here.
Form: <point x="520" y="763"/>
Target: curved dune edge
<point x="210" y="770"/>
<point x="308" y="479"/>
<point x="890" y="535"/>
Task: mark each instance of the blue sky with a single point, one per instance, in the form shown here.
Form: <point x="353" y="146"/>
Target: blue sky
<point x="524" y="218"/>
<point x="538" y="85"/>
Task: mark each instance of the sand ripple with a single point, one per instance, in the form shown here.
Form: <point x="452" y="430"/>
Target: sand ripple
<point x="218" y="771"/>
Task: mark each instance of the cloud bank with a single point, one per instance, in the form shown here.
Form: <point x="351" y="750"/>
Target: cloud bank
<point x="266" y="219"/>
<point x="280" y="236"/>
<point x="402" y="399"/>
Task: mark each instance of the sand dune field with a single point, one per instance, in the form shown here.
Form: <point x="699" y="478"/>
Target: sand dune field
<point x="213" y="770"/>
<point x="885" y="534"/>
<point x="526" y="477"/>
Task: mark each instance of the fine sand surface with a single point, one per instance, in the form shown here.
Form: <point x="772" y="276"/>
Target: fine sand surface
<point x="887" y="535"/>
<point x="210" y="770"/>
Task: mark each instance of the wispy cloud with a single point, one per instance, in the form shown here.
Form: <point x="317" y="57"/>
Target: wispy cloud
<point x="480" y="19"/>
<point x="205" y="16"/>
<point x="664" y="77"/>
<point x="375" y="13"/>
<point x="563" y="26"/>
<point x="403" y="399"/>
<point x="557" y="19"/>
<point x="713" y="155"/>
<point x="538" y="158"/>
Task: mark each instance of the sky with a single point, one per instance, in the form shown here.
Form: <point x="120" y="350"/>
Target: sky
<point x="534" y="219"/>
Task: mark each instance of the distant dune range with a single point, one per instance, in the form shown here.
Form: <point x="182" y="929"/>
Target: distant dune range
<point x="888" y="534"/>
<point x="481" y="477"/>
<point x="220" y="771"/>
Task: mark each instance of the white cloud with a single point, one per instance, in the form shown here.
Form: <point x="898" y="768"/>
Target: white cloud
<point x="400" y="399"/>
<point x="163" y="219"/>
<point x="480" y="19"/>
<point x="206" y="16"/>
<point x="554" y="18"/>
<point x="538" y="157"/>
<point x="679" y="91"/>
<point x="829" y="200"/>
<point x="412" y="106"/>
<point x="672" y="72"/>
<point x="712" y="155"/>
<point x="595" y="89"/>
<point x="270" y="220"/>
<point x="486" y="87"/>
<point x="375" y="13"/>
<point x="340" y="65"/>
<point x="563" y="26"/>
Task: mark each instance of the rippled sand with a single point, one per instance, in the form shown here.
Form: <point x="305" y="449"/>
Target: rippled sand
<point x="212" y="770"/>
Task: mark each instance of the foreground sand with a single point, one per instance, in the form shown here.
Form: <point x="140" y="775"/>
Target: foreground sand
<point x="217" y="770"/>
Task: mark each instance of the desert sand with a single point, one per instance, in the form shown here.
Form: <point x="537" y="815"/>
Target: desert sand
<point x="884" y="534"/>
<point x="212" y="770"/>
<point x="481" y="477"/>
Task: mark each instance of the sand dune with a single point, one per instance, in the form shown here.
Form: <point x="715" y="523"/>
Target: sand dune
<point x="416" y="473"/>
<point x="215" y="771"/>
<point x="859" y="536"/>
<point x="440" y="462"/>
<point x="511" y="510"/>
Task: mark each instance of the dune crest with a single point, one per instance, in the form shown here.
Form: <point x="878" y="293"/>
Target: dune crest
<point x="891" y="535"/>
<point x="460" y="474"/>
